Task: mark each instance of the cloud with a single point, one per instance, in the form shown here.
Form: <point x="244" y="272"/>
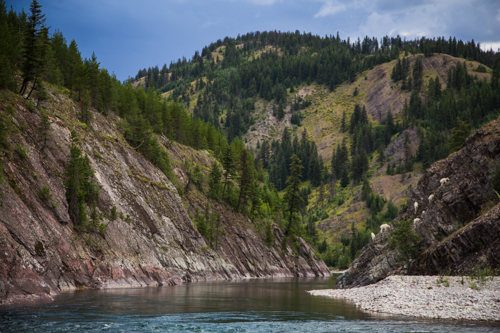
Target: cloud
<point x="263" y="2"/>
<point x="486" y="46"/>
<point x="258" y="2"/>
<point x="330" y="8"/>
<point x="207" y="25"/>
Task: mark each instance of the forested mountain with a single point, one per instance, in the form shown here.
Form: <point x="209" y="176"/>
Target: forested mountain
<point x="356" y="113"/>
<point x="295" y="135"/>
<point x="108" y="185"/>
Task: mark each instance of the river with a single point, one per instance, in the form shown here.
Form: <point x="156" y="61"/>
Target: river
<point x="254" y="305"/>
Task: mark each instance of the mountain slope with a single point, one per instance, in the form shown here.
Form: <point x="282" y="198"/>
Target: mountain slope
<point x="151" y="240"/>
<point x="378" y="93"/>
<point x="454" y="209"/>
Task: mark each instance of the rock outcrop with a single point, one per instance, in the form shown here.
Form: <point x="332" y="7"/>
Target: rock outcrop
<point x="151" y="242"/>
<point x="458" y="219"/>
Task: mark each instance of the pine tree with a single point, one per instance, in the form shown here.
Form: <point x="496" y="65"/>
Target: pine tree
<point x="44" y="129"/>
<point x="214" y="181"/>
<point x="80" y="189"/>
<point x="281" y="111"/>
<point x="353" y="246"/>
<point x="292" y="193"/>
<point x="344" y="176"/>
<point x="269" y="240"/>
<point x="321" y="195"/>
<point x="229" y="164"/>
<point x="245" y="180"/>
<point x="35" y="42"/>
<point x="366" y="189"/>
<point x="418" y="73"/>
<point x="343" y="123"/>
<point x="460" y="133"/>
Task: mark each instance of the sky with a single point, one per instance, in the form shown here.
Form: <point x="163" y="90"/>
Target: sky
<point x="128" y="35"/>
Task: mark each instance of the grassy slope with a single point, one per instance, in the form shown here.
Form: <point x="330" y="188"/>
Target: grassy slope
<point x="322" y="121"/>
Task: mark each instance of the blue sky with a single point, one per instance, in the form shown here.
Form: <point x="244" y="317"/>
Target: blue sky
<point x="129" y="35"/>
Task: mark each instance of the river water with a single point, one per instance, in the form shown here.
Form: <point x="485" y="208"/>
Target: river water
<point x="255" y="305"/>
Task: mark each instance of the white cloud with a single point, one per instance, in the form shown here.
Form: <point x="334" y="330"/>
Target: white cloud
<point x="330" y="8"/>
<point x="207" y="25"/>
<point x="259" y="2"/>
<point x="486" y="46"/>
<point x="263" y="2"/>
<point x="408" y="22"/>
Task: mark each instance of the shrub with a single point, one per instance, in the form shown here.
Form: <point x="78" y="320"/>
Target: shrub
<point x="481" y="69"/>
<point x="44" y="194"/>
<point x="30" y="106"/>
<point x="21" y="151"/>
<point x="404" y="238"/>
<point x="114" y="214"/>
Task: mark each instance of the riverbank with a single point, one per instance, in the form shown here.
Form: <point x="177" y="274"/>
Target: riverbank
<point x="450" y="297"/>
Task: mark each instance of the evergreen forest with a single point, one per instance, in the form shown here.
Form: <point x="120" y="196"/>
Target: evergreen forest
<point x="208" y="103"/>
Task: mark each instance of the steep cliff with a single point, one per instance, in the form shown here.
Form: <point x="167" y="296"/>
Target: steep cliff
<point x="454" y="209"/>
<point x="151" y="242"/>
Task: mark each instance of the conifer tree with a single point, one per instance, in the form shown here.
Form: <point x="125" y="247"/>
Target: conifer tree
<point x="44" y="129"/>
<point x="269" y="240"/>
<point x="366" y="189"/>
<point x="460" y="133"/>
<point x="344" y="176"/>
<point x="214" y="181"/>
<point x="418" y="73"/>
<point x="229" y="164"/>
<point x="292" y="193"/>
<point x="245" y="180"/>
<point x="343" y="123"/>
<point x="80" y="189"/>
<point x="35" y="41"/>
<point x="321" y="194"/>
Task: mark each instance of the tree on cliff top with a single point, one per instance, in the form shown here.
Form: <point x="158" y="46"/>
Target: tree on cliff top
<point x="35" y="43"/>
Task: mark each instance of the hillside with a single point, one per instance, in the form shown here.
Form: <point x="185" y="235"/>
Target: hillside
<point x="454" y="210"/>
<point x="226" y="165"/>
<point x="322" y="119"/>
<point x="146" y="236"/>
<point x="376" y="91"/>
<point x="254" y="89"/>
<point x="378" y="94"/>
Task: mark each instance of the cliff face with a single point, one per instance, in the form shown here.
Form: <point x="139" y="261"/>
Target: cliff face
<point x="152" y="241"/>
<point x="454" y="209"/>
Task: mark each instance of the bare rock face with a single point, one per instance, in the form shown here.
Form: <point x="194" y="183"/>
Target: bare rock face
<point x="372" y="265"/>
<point x="152" y="242"/>
<point x="451" y="207"/>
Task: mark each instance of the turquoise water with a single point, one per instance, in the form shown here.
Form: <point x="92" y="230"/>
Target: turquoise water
<point x="270" y="305"/>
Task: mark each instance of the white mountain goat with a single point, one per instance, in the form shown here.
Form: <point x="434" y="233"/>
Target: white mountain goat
<point x="416" y="206"/>
<point x="431" y="197"/>
<point x="384" y="227"/>
<point x="444" y="181"/>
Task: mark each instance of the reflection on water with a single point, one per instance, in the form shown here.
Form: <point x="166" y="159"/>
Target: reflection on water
<point x="255" y="305"/>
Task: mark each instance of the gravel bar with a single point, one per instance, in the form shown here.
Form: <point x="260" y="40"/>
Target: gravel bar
<point x="444" y="297"/>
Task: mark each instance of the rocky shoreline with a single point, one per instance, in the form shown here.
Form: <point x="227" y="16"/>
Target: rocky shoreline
<point x="432" y="297"/>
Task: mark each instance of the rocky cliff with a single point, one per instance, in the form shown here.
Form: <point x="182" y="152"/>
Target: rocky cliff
<point x="151" y="242"/>
<point x="454" y="209"/>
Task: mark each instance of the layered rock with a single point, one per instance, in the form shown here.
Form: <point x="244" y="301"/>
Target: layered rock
<point x="451" y="209"/>
<point x="152" y="242"/>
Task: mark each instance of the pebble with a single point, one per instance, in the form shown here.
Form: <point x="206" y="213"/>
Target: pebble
<point x="443" y="297"/>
